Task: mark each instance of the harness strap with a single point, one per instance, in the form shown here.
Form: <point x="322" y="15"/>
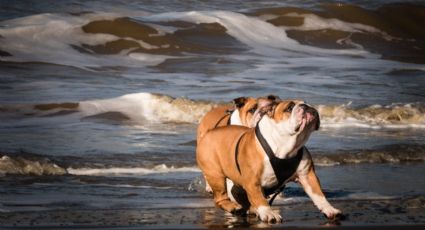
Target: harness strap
<point x="237" y="153"/>
<point x="282" y="168"/>
<point x="275" y="194"/>
<point x="228" y="113"/>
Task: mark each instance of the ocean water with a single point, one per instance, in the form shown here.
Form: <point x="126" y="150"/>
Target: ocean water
<point x="100" y="100"/>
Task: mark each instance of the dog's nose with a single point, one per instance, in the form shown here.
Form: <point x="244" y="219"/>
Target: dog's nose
<point x="303" y="106"/>
<point x="308" y="109"/>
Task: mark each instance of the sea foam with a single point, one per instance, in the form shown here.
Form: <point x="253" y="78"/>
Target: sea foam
<point x="315" y="22"/>
<point x="24" y="166"/>
<point x="61" y="39"/>
<point x="130" y="171"/>
<point x="410" y="115"/>
<point x="49" y="38"/>
<point x="260" y="35"/>
<point x="149" y="107"/>
<point x="139" y="108"/>
<point x="163" y="108"/>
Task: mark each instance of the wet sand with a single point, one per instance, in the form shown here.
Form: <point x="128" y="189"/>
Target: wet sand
<point x="407" y="213"/>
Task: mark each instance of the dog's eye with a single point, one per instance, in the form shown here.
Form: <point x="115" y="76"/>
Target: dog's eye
<point x="290" y="107"/>
<point x="252" y="110"/>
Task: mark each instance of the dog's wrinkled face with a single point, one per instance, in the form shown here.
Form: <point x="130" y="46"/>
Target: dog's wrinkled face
<point x="252" y="109"/>
<point x="245" y="109"/>
<point x="294" y="117"/>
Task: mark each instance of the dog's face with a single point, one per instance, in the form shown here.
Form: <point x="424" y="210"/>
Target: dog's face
<point x="251" y="109"/>
<point x="295" y="118"/>
<point x="245" y="107"/>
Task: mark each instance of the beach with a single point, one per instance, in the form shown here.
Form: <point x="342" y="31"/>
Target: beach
<point x="366" y="211"/>
<point x="360" y="214"/>
<point x="100" y="102"/>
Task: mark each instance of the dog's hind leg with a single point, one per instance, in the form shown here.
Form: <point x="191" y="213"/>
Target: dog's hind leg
<point x="221" y="198"/>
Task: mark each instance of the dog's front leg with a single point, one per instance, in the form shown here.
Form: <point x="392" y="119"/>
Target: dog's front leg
<point x="311" y="185"/>
<point x="260" y="205"/>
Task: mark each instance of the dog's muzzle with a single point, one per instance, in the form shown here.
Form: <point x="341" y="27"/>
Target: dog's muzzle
<point x="311" y="112"/>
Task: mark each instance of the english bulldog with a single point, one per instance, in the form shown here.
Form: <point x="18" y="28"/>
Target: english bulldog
<point x="260" y="160"/>
<point x="246" y="111"/>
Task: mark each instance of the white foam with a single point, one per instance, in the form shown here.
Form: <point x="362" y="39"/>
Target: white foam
<point x="22" y="166"/>
<point x="262" y="36"/>
<point x="314" y="22"/>
<point x="394" y="116"/>
<point x="149" y="107"/>
<point x="48" y="38"/>
<point x="326" y="164"/>
<point x="130" y="171"/>
<point x="141" y="107"/>
<point x="136" y="106"/>
<point x="130" y="186"/>
<point x="359" y="124"/>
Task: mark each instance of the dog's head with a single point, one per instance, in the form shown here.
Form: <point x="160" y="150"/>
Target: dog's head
<point x="250" y="110"/>
<point x="294" y="118"/>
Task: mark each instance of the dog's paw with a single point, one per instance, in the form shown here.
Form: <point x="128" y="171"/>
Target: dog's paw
<point x="232" y="207"/>
<point x="332" y="213"/>
<point x="239" y="211"/>
<point x="266" y="214"/>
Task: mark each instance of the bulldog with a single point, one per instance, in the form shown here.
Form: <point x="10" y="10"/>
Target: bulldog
<point x="261" y="160"/>
<point x="246" y="111"/>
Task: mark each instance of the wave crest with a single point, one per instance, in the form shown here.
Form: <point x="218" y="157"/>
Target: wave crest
<point x="162" y="168"/>
<point x="23" y="166"/>
<point x="374" y="116"/>
<point x="163" y="108"/>
<point x="390" y="154"/>
<point x="150" y="107"/>
<point x="138" y="108"/>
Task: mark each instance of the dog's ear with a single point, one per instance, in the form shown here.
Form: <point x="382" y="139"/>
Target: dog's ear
<point x="318" y="124"/>
<point x="239" y="102"/>
<point x="270" y="109"/>
<point x="273" y="97"/>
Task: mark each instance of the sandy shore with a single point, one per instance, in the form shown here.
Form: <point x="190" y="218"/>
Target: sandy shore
<point x="363" y="214"/>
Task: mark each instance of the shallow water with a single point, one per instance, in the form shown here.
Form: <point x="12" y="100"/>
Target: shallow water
<point x="100" y="101"/>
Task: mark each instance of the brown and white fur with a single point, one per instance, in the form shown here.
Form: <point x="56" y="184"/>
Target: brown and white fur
<point x="286" y="129"/>
<point x="246" y="111"/>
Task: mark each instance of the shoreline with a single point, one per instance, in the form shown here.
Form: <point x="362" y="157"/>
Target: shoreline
<point x="360" y="214"/>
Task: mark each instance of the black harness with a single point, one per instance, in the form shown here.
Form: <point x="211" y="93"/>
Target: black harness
<point x="282" y="168"/>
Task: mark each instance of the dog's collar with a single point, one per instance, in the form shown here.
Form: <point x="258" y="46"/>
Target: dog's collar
<point x="282" y="168"/>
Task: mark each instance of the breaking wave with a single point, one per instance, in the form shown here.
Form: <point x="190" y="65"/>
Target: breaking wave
<point x="135" y="39"/>
<point x="50" y="38"/>
<point x="150" y="107"/>
<point x="41" y="166"/>
<point x="386" y="30"/>
<point x="130" y="171"/>
<point x="147" y="107"/>
<point x="410" y="115"/>
<point x="24" y="166"/>
<point x="389" y="154"/>
<point x="106" y="39"/>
